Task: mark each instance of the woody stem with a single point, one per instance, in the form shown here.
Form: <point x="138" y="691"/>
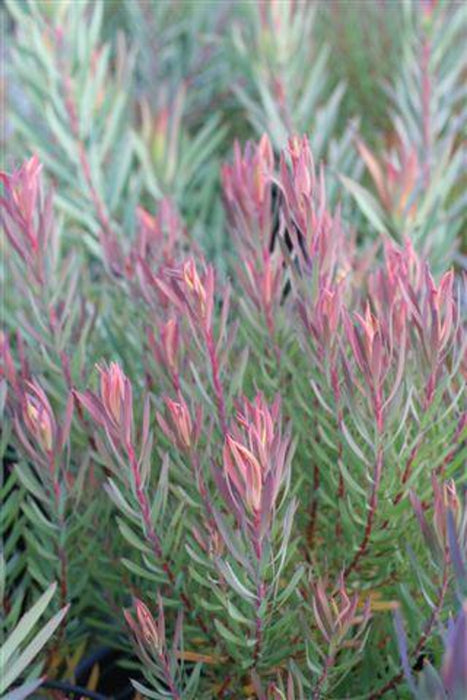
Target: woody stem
<point x="260" y="591"/>
<point x="218" y="390"/>
<point x="372" y="506"/>
<point x="154" y="539"/>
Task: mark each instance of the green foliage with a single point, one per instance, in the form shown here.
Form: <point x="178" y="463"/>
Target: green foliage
<point x="232" y="390"/>
<point x="17" y="653"/>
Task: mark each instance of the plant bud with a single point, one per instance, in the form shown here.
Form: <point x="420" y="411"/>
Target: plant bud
<point x="38" y="417"/>
<point x="113" y="390"/>
<point x="244" y="472"/>
<point x="181" y="427"/>
<point x="195" y="286"/>
<point x="39" y="423"/>
<point x="170" y="343"/>
<point x="147" y="625"/>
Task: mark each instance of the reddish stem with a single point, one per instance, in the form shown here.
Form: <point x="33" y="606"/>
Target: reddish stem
<point x="203" y="491"/>
<point x="459" y="430"/>
<point x="63" y="561"/>
<point x="260" y="590"/>
<point x="314" y="508"/>
<point x="224" y="687"/>
<point x="168" y="677"/>
<point x="154" y="539"/>
<point x="211" y="347"/>
<point x="398" y="677"/>
<point x="328" y="664"/>
<point x="408" y="469"/>
<point x="340" y="492"/>
<point x="60" y="549"/>
<point x="371" y="513"/>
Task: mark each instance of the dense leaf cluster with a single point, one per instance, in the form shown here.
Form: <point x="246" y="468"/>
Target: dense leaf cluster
<point x="232" y="387"/>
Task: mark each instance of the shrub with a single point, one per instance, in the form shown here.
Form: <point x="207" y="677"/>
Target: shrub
<point x="248" y="484"/>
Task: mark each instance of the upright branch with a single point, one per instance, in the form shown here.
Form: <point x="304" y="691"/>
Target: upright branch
<point x="193" y="295"/>
<point x="150" y="639"/>
<point x="74" y="125"/>
<point x="256" y="467"/>
<point x="44" y="441"/>
<point x="248" y="197"/>
<point x="372" y="510"/>
<point x="28" y="220"/>
<point x="335" y="614"/>
<point x="112" y="409"/>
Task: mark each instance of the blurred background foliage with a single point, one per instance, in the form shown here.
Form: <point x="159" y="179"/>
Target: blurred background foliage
<point x="191" y="77"/>
<point x="128" y="102"/>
